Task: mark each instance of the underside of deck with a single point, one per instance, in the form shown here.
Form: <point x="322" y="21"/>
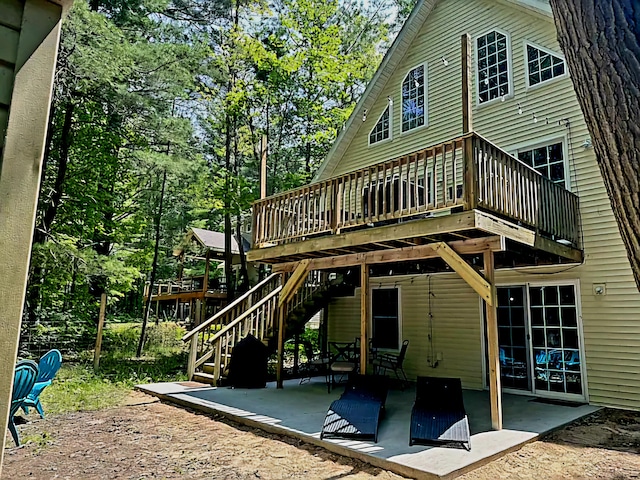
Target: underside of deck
<point x="468" y="232"/>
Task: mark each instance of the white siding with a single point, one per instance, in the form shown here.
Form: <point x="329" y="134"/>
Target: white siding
<point x="611" y="322"/>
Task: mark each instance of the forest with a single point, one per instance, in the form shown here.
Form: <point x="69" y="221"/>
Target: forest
<point x="159" y="112"/>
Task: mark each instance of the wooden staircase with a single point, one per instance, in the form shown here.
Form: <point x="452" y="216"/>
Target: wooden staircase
<point x="256" y="313"/>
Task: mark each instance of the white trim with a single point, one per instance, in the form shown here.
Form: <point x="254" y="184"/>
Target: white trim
<point x="544" y="142"/>
<point x="390" y="137"/>
<point x="370" y="325"/>
<point x="426" y="99"/>
<point x="542" y="83"/>
<point x="511" y="93"/>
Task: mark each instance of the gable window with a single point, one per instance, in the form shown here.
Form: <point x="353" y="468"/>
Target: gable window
<point x="542" y="65"/>
<point x="413" y="99"/>
<point x="385" y="316"/>
<point x="382" y="129"/>
<point x="547" y="160"/>
<point x="493" y="66"/>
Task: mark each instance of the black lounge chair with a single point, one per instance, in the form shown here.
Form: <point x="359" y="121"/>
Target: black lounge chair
<point x="359" y="409"/>
<point x="438" y="416"/>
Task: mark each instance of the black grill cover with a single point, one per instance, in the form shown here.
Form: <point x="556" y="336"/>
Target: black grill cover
<point x="248" y="366"/>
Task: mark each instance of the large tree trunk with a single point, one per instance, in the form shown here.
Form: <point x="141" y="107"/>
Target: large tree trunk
<point x="601" y="42"/>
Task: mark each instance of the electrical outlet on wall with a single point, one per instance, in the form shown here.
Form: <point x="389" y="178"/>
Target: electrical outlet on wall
<point x="439" y="356"/>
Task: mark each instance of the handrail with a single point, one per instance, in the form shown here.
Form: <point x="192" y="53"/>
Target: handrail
<point x="233" y="324"/>
<point x="228" y="308"/>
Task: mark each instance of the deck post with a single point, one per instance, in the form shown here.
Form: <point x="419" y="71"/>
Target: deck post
<point x="364" y="316"/>
<point x="193" y="354"/>
<point x="467" y="108"/>
<point x="492" y="345"/>
<point x="281" y="312"/>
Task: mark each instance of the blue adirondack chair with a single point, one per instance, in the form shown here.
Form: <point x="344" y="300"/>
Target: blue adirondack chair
<point x="48" y="366"/>
<point x="23" y="381"/>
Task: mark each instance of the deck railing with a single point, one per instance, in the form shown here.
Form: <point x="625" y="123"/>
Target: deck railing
<point x="468" y="171"/>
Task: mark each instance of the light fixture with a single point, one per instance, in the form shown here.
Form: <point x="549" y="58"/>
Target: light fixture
<point x="390" y="100"/>
<point x="535" y="119"/>
<point x="416" y="82"/>
<point x="519" y="109"/>
<point x="486" y="81"/>
<point x="364" y="115"/>
<point x="445" y="62"/>
<point x="587" y="143"/>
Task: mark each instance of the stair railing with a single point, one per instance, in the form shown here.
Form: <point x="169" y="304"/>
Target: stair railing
<point x="202" y="337"/>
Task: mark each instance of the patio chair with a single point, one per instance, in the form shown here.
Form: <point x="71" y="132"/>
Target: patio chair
<point x="358" y="411"/>
<point x="438" y="416"/>
<point x="344" y="362"/>
<point x="316" y="362"/>
<point x="392" y="361"/>
<point x="23" y="380"/>
<point x="48" y="366"/>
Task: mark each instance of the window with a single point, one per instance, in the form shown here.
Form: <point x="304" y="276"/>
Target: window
<point x="382" y="129"/>
<point x="493" y="66"/>
<point x="548" y="160"/>
<point x="385" y="316"/>
<point x="542" y="65"/>
<point x="413" y="99"/>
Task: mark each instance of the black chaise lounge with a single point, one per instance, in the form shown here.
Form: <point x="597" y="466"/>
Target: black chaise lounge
<point x="357" y="413"/>
<point x="438" y="416"/>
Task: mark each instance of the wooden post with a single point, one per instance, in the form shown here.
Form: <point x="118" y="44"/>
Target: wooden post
<point x="205" y="281"/>
<point x="467" y="109"/>
<point x="281" y="310"/>
<point x="364" y="316"/>
<point x="193" y="356"/>
<point x="103" y="308"/>
<point x="492" y="345"/>
<point x="198" y="313"/>
<point x="263" y="167"/>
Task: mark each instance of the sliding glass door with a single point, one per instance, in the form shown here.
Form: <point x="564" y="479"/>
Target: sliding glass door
<point x="539" y="338"/>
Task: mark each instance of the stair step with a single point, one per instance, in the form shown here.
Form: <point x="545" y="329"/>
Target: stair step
<point x="208" y="367"/>
<point x="203" y="377"/>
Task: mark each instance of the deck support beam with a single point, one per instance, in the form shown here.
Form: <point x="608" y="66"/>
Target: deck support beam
<point x="492" y="345"/>
<point x="364" y="316"/>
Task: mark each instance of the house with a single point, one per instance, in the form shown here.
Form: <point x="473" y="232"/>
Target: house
<point x="29" y="36"/>
<point x="464" y="193"/>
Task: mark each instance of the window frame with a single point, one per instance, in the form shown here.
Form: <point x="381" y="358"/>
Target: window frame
<point x="528" y="86"/>
<point x="545" y="142"/>
<point x="511" y="93"/>
<point x="390" y="137"/>
<point x="426" y="98"/>
<point x="399" y="290"/>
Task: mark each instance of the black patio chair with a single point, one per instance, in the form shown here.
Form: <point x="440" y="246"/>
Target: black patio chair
<point x="358" y="411"/>
<point x="438" y="416"/>
<point x="316" y="364"/>
<point x="391" y="361"/>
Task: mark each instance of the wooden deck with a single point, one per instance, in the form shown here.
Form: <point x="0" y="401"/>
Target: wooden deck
<point x="463" y="189"/>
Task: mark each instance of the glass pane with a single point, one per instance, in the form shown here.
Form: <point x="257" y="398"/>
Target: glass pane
<point x="553" y="337"/>
<point x="569" y="318"/>
<point x="567" y="295"/>
<point x="535" y="296"/>
<point x="555" y="152"/>
<point x="491" y="37"/>
<point x="572" y="360"/>
<point x="538" y="337"/>
<point x="545" y="61"/>
<point x="569" y="338"/>
<point x="552" y="316"/>
<point x="504" y="336"/>
<point x="517" y="317"/>
<point x="502" y="55"/>
<point x="525" y="157"/>
<point x="557" y="172"/>
<point x="550" y="296"/>
<point x="533" y="66"/>
<point x="491" y="48"/>
<point x="558" y="70"/>
<point x="482" y="41"/>
<point x="534" y="78"/>
<point x="556" y="382"/>
<point x="532" y="53"/>
<point x="502" y="41"/>
<point x="384" y="302"/>
<point x="546" y="74"/>
<point x="385" y="332"/>
<point x="539" y="156"/>
<point x="519" y="337"/>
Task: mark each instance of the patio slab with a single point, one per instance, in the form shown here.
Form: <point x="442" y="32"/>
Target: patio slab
<point x="299" y="411"/>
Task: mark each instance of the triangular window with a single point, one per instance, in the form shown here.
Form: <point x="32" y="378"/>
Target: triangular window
<point x="543" y="65"/>
<point x="382" y="129"/>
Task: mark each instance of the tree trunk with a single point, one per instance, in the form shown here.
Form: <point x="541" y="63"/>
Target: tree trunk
<point x="154" y="267"/>
<point x="601" y="43"/>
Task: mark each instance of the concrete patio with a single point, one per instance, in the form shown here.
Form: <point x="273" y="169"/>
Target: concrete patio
<point x="299" y="410"/>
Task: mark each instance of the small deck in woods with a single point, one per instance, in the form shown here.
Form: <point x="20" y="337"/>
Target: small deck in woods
<point x="460" y="190"/>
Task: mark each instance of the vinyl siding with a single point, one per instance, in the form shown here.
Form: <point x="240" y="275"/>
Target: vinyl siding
<point x="611" y="323"/>
<point x="10" y="22"/>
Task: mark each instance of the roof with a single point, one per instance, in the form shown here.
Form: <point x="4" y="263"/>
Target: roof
<point x="392" y="58"/>
<point x="214" y="241"/>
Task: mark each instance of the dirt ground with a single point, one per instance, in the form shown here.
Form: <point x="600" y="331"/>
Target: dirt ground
<point x="146" y="439"/>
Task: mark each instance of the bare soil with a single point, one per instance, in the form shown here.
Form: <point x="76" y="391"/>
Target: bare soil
<point x="147" y="439"/>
